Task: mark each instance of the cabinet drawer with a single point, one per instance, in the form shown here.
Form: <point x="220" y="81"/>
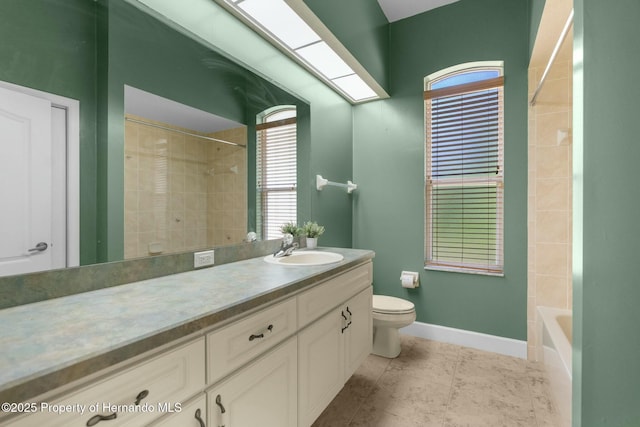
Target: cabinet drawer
<point x="168" y="379"/>
<point x="189" y="416"/>
<point x="234" y="345"/>
<point x="317" y="301"/>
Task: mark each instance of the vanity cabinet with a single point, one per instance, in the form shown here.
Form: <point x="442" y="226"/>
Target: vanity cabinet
<point x="332" y="347"/>
<point x="262" y="394"/>
<point x="278" y="366"/>
<point x="133" y="397"/>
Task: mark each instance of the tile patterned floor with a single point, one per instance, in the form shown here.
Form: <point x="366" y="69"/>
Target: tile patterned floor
<point x="433" y="384"/>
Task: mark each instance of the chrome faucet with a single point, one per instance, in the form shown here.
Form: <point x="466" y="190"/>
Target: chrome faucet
<point x="287" y="246"/>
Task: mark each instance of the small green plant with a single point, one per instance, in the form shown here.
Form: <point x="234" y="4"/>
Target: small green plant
<point x="312" y="229"/>
<point x="291" y="228"/>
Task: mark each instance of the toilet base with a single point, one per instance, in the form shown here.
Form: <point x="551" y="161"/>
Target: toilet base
<point x="386" y="342"/>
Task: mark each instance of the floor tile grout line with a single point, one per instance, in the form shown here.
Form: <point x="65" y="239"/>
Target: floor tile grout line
<point x="453" y="379"/>
<point x="535" y="413"/>
<point x="368" y="393"/>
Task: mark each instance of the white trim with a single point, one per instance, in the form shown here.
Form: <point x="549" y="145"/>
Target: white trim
<point x="467" y="66"/>
<point x="73" y="164"/>
<point x="477" y="340"/>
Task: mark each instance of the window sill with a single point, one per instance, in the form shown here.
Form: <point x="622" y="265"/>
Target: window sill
<point x="463" y="270"/>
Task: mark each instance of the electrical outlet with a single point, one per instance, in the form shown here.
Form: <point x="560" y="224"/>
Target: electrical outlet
<point x="203" y="259"/>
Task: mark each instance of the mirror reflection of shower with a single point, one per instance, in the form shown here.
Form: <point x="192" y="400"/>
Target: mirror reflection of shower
<point x="185" y="177"/>
<point x="232" y="169"/>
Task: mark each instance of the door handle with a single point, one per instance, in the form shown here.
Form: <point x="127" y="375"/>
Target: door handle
<point x="40" y="247"/>
<point x="219" y="403"/>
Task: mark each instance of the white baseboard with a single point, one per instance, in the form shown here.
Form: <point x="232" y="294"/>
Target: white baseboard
<point x="495" y="344"/>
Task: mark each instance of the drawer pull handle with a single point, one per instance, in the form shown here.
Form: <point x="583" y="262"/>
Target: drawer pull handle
<point x="350" y="316"/>
<point x="141" y="395"/>
<point x="199" y="418"/>
<point x="261" y="334"/>
<point x="97" y="418"/>
<point x="219" y="403"/>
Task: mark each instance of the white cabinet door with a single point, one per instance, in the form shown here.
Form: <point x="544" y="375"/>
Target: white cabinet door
<point x="191" y="414"/>
<point x="321" y="365"/>
<point x="359" y="335"/>
<point x="318" y="300"/>
<point x="262" y="394"/>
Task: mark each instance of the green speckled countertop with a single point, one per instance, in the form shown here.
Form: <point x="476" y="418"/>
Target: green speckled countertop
<point x="47" y="344"/>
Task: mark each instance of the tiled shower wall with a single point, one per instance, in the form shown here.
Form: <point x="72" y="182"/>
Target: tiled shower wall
<point x="550" y="193"/>
<point x="182" y="192"/>
<point x="227" y="189"/>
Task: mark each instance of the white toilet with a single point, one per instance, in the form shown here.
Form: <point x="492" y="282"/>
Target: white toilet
<point x="389" y="315"/>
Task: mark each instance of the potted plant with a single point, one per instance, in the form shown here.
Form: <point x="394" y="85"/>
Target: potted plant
<point x="312" y="231"/>
<point x="291" y="228"/>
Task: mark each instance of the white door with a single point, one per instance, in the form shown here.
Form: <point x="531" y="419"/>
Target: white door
<point x="32" y="184"/>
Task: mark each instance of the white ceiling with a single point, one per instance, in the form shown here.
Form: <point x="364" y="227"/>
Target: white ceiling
<point x="154" y="107"/>
<point x="400" y="9"/>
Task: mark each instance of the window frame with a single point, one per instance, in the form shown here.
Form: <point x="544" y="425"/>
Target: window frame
<point x="263" y="124"/>
<point x="495" y="268"/>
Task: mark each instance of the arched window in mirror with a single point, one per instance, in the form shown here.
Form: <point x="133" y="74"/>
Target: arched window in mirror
<point x="276" y="170"/>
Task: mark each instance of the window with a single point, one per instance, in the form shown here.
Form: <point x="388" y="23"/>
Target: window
<point x="276" y="170"/>
<point x="464" y="169"/>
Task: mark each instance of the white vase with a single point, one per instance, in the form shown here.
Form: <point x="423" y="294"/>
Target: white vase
<point x="312" y="242"/>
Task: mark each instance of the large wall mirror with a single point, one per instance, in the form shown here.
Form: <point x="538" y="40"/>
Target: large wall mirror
<point x="185" y="177"/>
<point x="167" y="125"/>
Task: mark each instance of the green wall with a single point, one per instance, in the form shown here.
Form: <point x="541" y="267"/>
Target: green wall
<point x="536" y="7"/>
<point x="145" y="53"/>
<point x="367" y="38"/>
<point x="50" y="45"/>
<point x="362" y="28"/>
<point x="606" y="227"/>
<point x="389" y="166"/>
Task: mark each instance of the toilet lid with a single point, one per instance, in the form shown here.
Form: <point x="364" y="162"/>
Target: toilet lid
<point x="387" y="304"/>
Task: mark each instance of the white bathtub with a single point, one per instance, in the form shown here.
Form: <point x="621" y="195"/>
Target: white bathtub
<point x="555" y="332"/>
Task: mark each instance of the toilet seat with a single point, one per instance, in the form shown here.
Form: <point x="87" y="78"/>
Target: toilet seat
<point x="384" y="304"/>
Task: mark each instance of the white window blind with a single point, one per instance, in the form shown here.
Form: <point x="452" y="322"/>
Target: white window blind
<point x="276" y="172"/>
<point x="465" y="172"/>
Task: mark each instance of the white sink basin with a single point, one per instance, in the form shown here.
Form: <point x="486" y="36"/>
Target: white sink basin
<point x="305" y="258"/>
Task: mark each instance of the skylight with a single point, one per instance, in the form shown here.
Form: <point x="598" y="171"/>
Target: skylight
<point x="310" y="44"/>
<point x="280" y="21"/>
